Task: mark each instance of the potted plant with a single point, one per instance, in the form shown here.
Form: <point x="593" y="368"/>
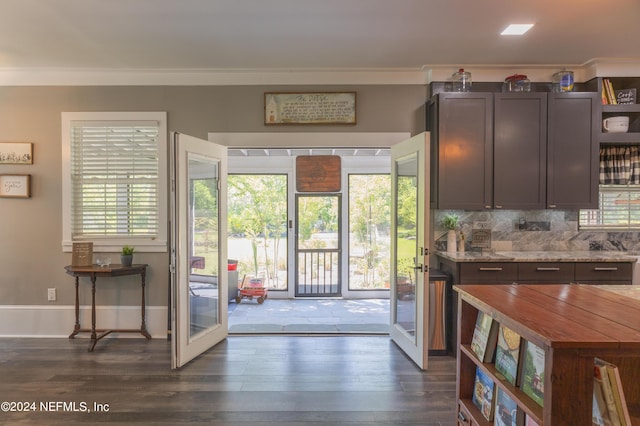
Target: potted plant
<point x="126" y="257"/>
<point x="450" y="222"/>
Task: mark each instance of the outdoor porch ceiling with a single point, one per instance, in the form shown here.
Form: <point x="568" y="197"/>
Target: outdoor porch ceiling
<point x="293" y="152"/>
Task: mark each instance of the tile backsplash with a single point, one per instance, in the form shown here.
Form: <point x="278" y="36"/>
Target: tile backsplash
<point x="535" y="230"/>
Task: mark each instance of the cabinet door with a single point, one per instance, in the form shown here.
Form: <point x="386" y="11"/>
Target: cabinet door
<point x="463" y="160"/>
<point x="573" y="151"/>
<point x="520" y="151"/>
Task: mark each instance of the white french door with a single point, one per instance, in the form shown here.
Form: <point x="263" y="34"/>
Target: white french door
<point x="409" y="247"/>
<point x="199" y="274"/>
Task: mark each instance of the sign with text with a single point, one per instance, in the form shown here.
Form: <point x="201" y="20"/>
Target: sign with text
<point x="310" y="108"/>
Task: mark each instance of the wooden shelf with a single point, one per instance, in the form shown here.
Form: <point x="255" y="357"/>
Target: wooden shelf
<point x="572" y="323"/>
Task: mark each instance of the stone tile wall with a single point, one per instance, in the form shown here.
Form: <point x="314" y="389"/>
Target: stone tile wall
<point x="535" y="230"/>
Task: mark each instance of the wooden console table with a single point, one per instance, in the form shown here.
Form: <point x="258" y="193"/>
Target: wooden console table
<point x="93" y="272"/>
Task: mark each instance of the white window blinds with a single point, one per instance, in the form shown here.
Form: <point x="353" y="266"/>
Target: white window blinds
<point x="618" y="209"/>
<point x="114" y="179"/>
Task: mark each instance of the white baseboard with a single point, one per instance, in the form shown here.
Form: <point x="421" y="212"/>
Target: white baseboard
<point x="58" y="321"/>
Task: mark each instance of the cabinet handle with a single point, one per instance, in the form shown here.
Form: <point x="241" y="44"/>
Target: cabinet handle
<point x="552" y="206"/>
<point x="487" y="207"/>
<point x="462" y="417"/>
<point x="547" y="269"/>
<point x="613" y="268"/>
<point x="498" y="207"/>
<point x="490" y="269"/>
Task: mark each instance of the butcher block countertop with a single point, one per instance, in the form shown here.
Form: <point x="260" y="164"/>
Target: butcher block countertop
<point x="539" y="256"/>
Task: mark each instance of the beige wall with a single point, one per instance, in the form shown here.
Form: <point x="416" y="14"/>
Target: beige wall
<point x="31" y="257"/>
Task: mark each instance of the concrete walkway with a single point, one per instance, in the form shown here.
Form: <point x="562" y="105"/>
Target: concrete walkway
<point x="303" y="316"/>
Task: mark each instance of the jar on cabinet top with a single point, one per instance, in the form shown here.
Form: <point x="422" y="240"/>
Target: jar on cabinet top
<point x="517" y="83"/>
<point x="461" y="81"/>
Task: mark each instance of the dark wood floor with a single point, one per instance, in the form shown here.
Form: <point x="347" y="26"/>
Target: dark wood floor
<point x="261" y="380"/>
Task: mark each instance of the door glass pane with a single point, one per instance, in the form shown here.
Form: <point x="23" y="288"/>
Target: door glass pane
<point x="369" y="222"/>
<point x="203" y="243"/>
<point x="407" y="243"/>
<point x="318" y="245"/>
<point x="257" y="224"/>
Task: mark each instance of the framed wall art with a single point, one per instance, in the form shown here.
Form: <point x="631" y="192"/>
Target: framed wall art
<point x="310" y="108"/>
<point x="15" y="186"/>
<point x="16" y="153"/>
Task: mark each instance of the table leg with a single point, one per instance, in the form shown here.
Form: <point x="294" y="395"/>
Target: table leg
<point x="76" y="327"/>
<point x="143" y="326"/>
<point x="94" y="337"/>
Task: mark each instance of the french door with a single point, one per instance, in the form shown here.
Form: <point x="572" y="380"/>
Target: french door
<point x="199" y="289"/>
<point x="409" y="247"/>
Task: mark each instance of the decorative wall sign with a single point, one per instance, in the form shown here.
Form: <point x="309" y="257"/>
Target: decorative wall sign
<point x="82" y="254"/>
<point x="17" y="186"/>
<point x="16" y="153"/>
<point x="318" y="173"/>
<point x="310" y="108"/>
<point x="626" y="96"/>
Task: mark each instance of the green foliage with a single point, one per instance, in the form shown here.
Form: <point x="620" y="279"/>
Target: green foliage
<point x="127" y="250"/>
<point x="450" y="221"/>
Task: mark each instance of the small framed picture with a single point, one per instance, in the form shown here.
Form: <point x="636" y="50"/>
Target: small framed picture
<point x="16" y="186"/>
<point x="16" y="153"/>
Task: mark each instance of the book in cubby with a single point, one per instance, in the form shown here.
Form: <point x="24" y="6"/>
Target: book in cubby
<point x="528" y="421"/>
<point x="507" y="412"/>
<point x="532" y="372"/>
<point x="485" y="337"/>
<point x="508" y="353"/>
<point x="483" y="393"/>
<point x="607" y="377"/>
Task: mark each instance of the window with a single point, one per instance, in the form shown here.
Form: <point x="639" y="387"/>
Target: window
<point x="114" y="180"/>
<point x="618" y="209"/>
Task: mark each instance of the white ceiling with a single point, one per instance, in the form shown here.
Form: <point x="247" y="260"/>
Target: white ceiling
<point x="310" y="34"/>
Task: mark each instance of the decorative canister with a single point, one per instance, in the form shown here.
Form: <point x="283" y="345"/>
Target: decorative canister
<point x="563" y="81"/>
<point x="461" y="81"/>
<point x="517" y="83"/>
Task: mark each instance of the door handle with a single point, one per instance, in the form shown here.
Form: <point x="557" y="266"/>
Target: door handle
<point x="418" y="268"/>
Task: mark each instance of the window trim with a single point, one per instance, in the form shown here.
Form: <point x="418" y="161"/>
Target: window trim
<point x="157" y="244"/>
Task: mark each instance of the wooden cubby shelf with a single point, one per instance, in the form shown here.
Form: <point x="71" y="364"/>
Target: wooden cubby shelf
<point x="573" y="324"/>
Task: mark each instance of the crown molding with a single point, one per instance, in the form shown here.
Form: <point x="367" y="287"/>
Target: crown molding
<point x="597" y="67"/>
<point x="208" y="77"/>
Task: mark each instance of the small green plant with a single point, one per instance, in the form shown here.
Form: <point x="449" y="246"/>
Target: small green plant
<point x="127" y="250"/>
<point x="450" y="221"/>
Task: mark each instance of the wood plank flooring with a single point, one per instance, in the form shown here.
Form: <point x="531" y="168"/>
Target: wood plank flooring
<point x="245" y="380"/>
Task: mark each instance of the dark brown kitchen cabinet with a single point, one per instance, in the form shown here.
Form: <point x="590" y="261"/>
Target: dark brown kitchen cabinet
<point x="461" y="126"/>
<point x="519" y="151"/>
<point x="573" y="151"/>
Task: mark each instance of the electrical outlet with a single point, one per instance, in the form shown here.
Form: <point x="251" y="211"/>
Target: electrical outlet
<point x="51" y="294"/>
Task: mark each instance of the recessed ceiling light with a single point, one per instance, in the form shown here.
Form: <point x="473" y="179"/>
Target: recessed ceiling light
<point x="516" y="29"/>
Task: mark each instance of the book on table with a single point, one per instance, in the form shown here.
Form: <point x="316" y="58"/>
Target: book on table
<point x="485" y="337"/>
<point x="508" y="353"/>
<point x="532" y="372"/>
<point x="607" y="377"/>
<point x="483" y="393"/>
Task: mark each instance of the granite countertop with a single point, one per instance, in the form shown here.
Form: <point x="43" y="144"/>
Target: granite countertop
<point x="540" y="256"/>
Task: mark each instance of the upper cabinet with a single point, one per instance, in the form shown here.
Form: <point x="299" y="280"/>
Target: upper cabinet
<point x="572" y="165"/>
<point x="461" y="127"/>
<point x="520" y="151"/>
